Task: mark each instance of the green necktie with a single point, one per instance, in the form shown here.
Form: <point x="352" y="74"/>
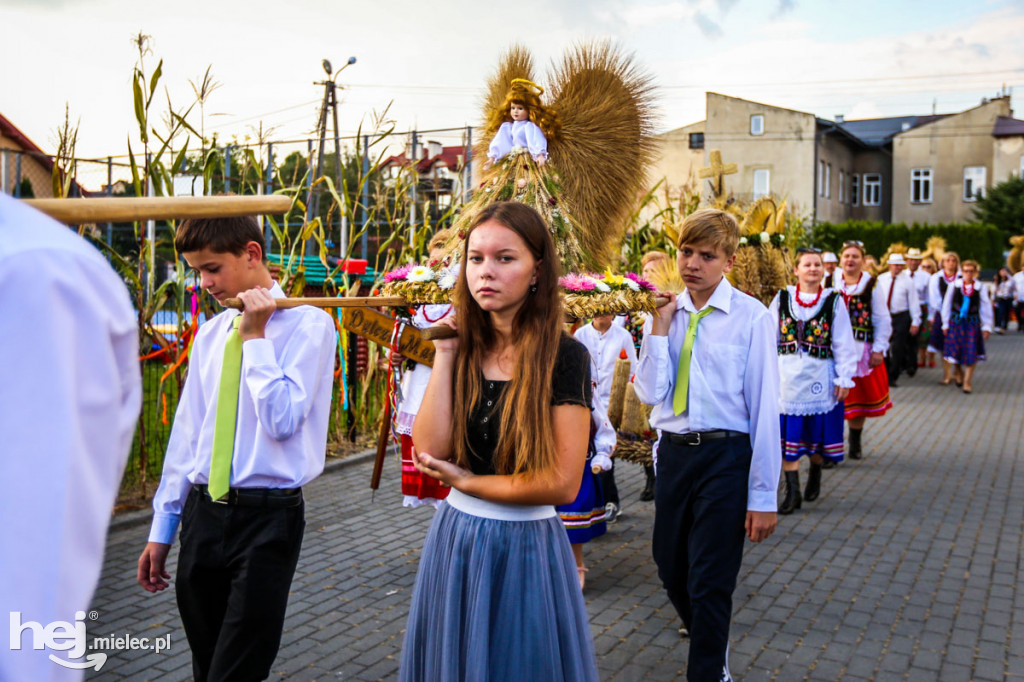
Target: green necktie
<point x="683" y="371"/>
<point x="227" y="413"/>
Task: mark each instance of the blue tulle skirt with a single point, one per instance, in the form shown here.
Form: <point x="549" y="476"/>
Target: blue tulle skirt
<point x="496" y="600"/>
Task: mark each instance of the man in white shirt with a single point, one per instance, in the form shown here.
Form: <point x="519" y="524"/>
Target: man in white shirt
<point x="241" y="528"/>
<point x="708" y="366"/>
<point x="70" y="394"/>
<point x="905" y="309"/>
<point x="920" y="278"/>
<point x="606" y="343"/>
<point x="1018" y="281"/>
<point x="830" y="262"/>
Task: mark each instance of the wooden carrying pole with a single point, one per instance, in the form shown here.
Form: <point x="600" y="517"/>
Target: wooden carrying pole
<point x="326" y="302"/>
<point x="134" y="209"/>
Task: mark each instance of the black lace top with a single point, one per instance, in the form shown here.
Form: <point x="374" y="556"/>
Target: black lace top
<point x="570" y="385"/>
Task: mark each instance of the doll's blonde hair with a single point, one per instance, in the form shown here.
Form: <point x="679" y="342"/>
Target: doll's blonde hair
<point x="527" y="94"/>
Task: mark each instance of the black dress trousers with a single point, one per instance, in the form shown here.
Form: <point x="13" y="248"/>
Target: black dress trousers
<point x="235" y="569"/>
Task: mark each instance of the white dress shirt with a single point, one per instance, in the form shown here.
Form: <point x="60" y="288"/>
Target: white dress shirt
<point x="605" y="350"/>
<point x="935" y="294"/>
<point x="734" y="381"/>
<point x="1018" y="281"/>
<point x="921" y="279"/>
<point x="984" y="306"/>
<point x="800" y="368"/>
<point x="904" y="296"/>
<point x="283" y="408"/>
<point x="881" y="321"/>
<point x="70" y="394"/>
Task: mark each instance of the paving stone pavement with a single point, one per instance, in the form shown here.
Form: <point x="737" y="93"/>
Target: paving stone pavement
<point x="907" y="567"/>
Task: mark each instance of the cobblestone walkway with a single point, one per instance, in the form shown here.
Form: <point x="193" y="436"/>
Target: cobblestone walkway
<point x="906" y="568"/>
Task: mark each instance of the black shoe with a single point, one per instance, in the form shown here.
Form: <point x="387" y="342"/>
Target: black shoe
<point x="648" y="494"/>
<point x="813" y="488"/>
<point x="893" y="384"/>
<point x="828" y="464"/>
<point x="855" y="452"/>
<point x="792" y="500"/>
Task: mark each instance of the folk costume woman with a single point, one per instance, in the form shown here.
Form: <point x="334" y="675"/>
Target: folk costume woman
<point x="817" y="361"/>
<point x="872" y="327"/>
<point x="967" y="311"/>
<point x="584" y="517"/>
<point x="937" y="288"/>
<point x="505" y="423"/>
<point x="417" y="489"/>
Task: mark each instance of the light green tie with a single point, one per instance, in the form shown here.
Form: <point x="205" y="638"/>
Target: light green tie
<point x="227" y="413"/>
<point x="683" y="371"/>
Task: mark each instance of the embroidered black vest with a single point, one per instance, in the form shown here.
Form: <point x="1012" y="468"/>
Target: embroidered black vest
<point x="860" y="313"/>
<point x="973" y="308"/>
<point x="814" y="336"/>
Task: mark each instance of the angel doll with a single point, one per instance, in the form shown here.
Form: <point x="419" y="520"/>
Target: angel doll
<point x="518" y="130"/>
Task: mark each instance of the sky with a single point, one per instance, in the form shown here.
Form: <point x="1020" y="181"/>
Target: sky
<point x="426" y="63"/>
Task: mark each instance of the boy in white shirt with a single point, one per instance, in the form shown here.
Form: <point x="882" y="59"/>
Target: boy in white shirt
<point x="714" y="385"/>
<point x="233" y="474"/>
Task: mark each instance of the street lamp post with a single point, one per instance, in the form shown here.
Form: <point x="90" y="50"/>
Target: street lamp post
<point x="331" y="101"/>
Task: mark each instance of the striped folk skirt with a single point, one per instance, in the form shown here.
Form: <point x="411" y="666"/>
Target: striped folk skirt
<point x="813" y="434"/>
<point x="869" y="396"/>
<point x="497" y="598"/>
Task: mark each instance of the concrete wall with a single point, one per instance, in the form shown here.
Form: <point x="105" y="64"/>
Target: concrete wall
<point x="947" y="146"/>
<point x="786" y="149"/>
<point x="677" y="163"/>
<point x="834" y="204"/>
<point x="1008" y="158"/>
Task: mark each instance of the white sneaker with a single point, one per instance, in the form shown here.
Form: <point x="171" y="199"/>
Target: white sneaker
<point x="611" y="512"/>
<point x="726" y="675"/>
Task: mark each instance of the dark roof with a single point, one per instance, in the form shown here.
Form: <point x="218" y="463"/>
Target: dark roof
<point x="1006" y="126"/>
<point x="876" y="132"/>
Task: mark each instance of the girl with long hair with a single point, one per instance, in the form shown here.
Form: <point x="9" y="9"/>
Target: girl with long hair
<point x="872" y="327"/>
<point x="817" y="360"/>
<point x="505" y="422"/>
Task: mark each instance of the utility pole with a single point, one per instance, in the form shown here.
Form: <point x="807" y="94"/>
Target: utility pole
<point x="412" y="190"/>
<point x="330" y="101"/>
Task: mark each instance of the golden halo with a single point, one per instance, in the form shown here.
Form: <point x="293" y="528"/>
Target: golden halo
<point x="539" y="90"/>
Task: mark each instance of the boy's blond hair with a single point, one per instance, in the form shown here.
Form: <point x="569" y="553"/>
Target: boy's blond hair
<point x="652" y="256"/>
<point x="713" y="227"/>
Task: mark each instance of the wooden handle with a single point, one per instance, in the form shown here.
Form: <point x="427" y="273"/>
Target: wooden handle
<point x="132" y="209"/>
<point x="326" y="302"/>
<point x="443" y="331"/>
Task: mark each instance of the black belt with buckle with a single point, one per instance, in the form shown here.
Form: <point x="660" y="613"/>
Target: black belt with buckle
<point x="698" y="437"/>
<point x="273" y="498"/>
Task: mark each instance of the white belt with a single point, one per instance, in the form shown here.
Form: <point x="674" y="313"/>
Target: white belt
<point x="499" y="511"/>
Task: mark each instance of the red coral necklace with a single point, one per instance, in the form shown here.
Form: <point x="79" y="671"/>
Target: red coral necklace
<point x="813" y="303"/>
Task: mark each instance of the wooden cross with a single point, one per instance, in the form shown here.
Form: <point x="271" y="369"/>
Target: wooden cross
<point x="717" y="172"/>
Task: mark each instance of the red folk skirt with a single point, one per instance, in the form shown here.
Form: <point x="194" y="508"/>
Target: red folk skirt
<point x="869" y="396"/>
<point x="416" y="487"/>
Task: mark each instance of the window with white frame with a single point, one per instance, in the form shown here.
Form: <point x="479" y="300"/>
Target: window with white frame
<point x="828" y="180"/>
<point x="974" y="182"/>
<point x="762" y="182"/>
<point x="921" y="185"/>
<point x="872" y="189"/>
<point x="855" y="189"/>
<point x="842" y="186"/>
<point x="757" y="124"/>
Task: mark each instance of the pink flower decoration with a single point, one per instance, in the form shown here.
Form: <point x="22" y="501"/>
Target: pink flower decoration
<point x="644" y="284"/>
<point x="399" y="273"/>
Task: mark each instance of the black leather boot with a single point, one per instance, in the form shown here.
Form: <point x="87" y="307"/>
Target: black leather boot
<point x="855" y="443"/>
<point x="648" y="494"/>
<point x="792" y="500"/>
<point x="813" y="488"/>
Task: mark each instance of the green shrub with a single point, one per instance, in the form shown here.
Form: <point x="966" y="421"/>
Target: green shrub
<point x="983" y="243"/>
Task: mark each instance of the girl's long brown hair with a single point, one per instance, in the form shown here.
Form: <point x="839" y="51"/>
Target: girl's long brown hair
<point x="526" y="439"/>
